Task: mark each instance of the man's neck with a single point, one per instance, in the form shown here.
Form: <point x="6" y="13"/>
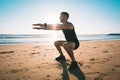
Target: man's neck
<point x="65" y="22"/>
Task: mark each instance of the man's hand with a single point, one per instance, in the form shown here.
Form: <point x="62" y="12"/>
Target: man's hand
<point x="41" y="26"/>
<point x="35" y="24"/>
<point x="38" y="24"/>
<point x="37" y="28"/>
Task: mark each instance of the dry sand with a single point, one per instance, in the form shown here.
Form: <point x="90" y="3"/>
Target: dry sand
<point x="98" y="60"/>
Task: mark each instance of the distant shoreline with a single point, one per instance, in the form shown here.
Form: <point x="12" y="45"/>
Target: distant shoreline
<point x="114" y="34"/>
<point x="47" y="38"/>
<point x="52" y="43"/>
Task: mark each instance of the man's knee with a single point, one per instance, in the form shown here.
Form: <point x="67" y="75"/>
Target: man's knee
<point x="57" y="43"/>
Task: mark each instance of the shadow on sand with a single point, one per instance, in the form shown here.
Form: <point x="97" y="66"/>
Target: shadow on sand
<point x="76" y="72"/>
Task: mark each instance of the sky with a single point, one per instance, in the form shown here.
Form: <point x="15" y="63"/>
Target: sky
<point x="88" y="16"/>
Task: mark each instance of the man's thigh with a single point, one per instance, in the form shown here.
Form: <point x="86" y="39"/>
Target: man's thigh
<point x="59" y="43"/>
<point x="70" y="45"/>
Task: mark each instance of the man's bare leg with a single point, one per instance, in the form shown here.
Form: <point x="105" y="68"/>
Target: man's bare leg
<point x="69" y="49"/>
<point x="58" y="45"/>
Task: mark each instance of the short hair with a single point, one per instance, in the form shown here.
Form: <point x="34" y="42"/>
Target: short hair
<point x="65" y="14"/>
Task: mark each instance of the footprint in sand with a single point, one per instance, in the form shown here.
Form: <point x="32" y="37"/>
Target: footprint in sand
<point x="48" y="75"/>
<point x="39" y="67"/>
<point x="95" y="47"/>
<point x="100" y="77"/>
<point x="93" y="73"/>
<point x="92" y="59"/>
<point x="105" y="51"/>
<point x="87" y="66"/>
<point x="80" y="63"/>
<point x="113" y="69"/>
<point x="6" y="52"/>
<point x="17" y="70"/>
<point x="118" y="66"/>
<point x="36" y="53"/>
<point x="14" y="71"/>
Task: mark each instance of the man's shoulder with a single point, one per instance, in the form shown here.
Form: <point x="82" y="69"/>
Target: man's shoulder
<point x="69" y="23"/>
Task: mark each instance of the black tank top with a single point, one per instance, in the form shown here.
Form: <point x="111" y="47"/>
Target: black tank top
<point x="70" y="35"/>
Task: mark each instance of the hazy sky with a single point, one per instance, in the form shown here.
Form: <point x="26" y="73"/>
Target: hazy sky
<point x="88" y="16"/>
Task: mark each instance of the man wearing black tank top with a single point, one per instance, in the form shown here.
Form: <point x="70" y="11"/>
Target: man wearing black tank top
<point x="71" y="42"/>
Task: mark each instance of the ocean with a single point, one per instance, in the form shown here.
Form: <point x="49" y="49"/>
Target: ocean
<point x="50" y="38"/>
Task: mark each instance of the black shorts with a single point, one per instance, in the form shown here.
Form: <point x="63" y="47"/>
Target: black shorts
<point x="76" y="45"/>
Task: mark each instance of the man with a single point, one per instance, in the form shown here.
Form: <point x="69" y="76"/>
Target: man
<point x="71" y="42"/>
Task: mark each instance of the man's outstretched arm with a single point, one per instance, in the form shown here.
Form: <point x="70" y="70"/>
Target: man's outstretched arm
<point x="53" y="27"/>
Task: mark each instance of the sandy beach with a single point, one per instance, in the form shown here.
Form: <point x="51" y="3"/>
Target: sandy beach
<point x="97" y="60"/>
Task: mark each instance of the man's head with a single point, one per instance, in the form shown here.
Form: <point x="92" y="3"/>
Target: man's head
<point x="64" y="16"/>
